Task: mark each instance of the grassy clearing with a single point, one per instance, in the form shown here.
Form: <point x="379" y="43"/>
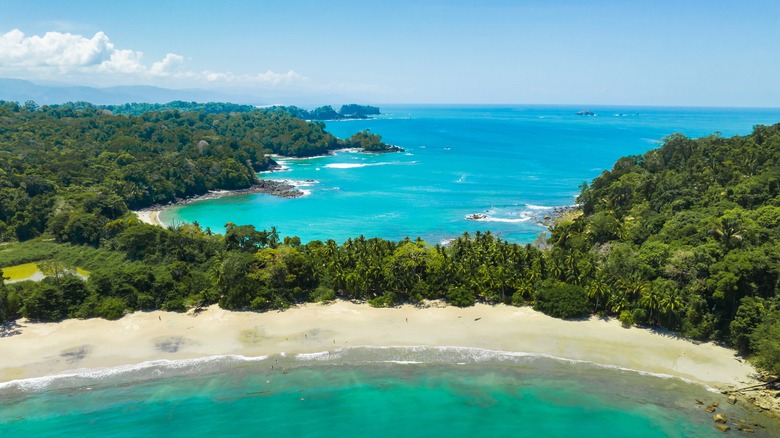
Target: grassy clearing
<point x="86" y="258"/>
<point x="20" y="272"/>
<point x="82" y="272"/>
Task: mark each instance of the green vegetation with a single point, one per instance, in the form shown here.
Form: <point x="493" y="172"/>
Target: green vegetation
<point x="370" y="142"/>
<point x="351" y="111"/>
<point x="684" y="237"/>
<point x="561" y="300"/>
<point x="75" y="173"/>
<point x="327" y="112"/>
<point x="358" y="111"/>
<point x="136" y="109"/>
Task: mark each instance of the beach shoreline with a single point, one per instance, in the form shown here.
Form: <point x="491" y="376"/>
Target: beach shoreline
<point x="150" y="216"/>
<point x="45" y="349"/>
<point x="282" y="189"/>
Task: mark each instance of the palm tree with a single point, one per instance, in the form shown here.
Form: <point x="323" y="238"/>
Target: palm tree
<point x="597" y="290"/>
<point x="651" y="300"/>
<point x="634" y="285"/>
<point x="671" y="302"/>
<point x="218" y="270"/>
<point x="536" y="272"/>
<point x="572" y="270"/>
<point x="273" y="238"/>
<point x="729" y="231"/>
<point x="618" y="301"/>
<point x="524" y="288"/>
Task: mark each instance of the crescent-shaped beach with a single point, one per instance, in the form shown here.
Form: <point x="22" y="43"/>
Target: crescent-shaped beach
<point x="42" y="349"/>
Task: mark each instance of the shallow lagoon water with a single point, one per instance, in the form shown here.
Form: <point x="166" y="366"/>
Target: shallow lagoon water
<point x="511" y="164"/>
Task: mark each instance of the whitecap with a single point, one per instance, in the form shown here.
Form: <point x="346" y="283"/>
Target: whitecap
<point x="344" y="165"/>
<point x="538" y="207"/>
<point x="426" y="354"/>
<point x="139" y="371"/>
<point x="356" y="165"/>
<point x="480" y="217"/>
<point x="321" y="355"/>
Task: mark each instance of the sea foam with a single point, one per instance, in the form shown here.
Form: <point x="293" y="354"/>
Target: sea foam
<point x="357" y="165"/>
<point x="424" y="354"/>
<point x="127" y="373"/>
<point x="487" y="218"/>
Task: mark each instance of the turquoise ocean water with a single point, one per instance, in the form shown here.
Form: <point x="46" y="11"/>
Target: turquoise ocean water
<point x="509" y="163"/>
<point x="365" y="392"/>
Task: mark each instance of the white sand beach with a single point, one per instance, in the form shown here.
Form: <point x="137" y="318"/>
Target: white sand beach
<point x="52" y="348"/>
<point x="151" y="217"/>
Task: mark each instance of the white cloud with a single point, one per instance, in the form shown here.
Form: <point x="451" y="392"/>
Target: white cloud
<point x="166" y="65"/>
<point x="123" y="61"/>
<point x="268" y="77"/>
<point x="62" y="51"/>
<point x="57" y="55"/>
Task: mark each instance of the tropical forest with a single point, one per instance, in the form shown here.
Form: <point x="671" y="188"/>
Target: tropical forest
<point x="683" y="238"/>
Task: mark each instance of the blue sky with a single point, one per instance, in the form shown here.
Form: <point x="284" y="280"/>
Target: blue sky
<point x="699" y="53"/>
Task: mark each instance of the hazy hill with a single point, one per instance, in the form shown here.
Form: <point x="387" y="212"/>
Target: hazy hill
<point x="20" y="91"/>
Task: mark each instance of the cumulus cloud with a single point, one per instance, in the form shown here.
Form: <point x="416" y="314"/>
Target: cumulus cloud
<point x="57" y="54"/>
<point x="167" y="65"/>
<point x="61" y="51"/>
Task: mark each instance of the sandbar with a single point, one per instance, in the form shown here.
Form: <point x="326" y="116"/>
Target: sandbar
<point x="43" y="349"/>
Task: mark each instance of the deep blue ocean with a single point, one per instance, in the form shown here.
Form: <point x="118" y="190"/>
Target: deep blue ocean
<point x="510" y="163"/>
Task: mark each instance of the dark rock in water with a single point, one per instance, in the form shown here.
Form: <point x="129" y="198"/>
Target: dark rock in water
<point x="710" y="409"/>
<point x="719" y="418"/>
<point x="476" y="217"/>
<point x="745" y="428"/>
<point x="385" y="150"/>
<point x="722" y="427"/>
<point x="281" y="189"/>
<point x="586" y="113"/>
<point x="716" y="404"/>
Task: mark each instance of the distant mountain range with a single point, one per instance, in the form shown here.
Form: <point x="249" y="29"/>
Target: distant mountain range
<point x="21" y="91"/>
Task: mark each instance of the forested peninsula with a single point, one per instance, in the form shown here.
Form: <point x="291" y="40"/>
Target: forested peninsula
<point x="684" y="237"/>
<point x="323" y="113"/>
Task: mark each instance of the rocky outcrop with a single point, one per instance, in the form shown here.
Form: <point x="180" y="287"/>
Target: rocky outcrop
<point x="386" y="150"/>
<point x="476" y="217"/>
<point x="268" y="165"/>
<point x="281" y="189"/>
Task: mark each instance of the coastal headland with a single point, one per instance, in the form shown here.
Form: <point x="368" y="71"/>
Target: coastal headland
<point x="42" y="349"/>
